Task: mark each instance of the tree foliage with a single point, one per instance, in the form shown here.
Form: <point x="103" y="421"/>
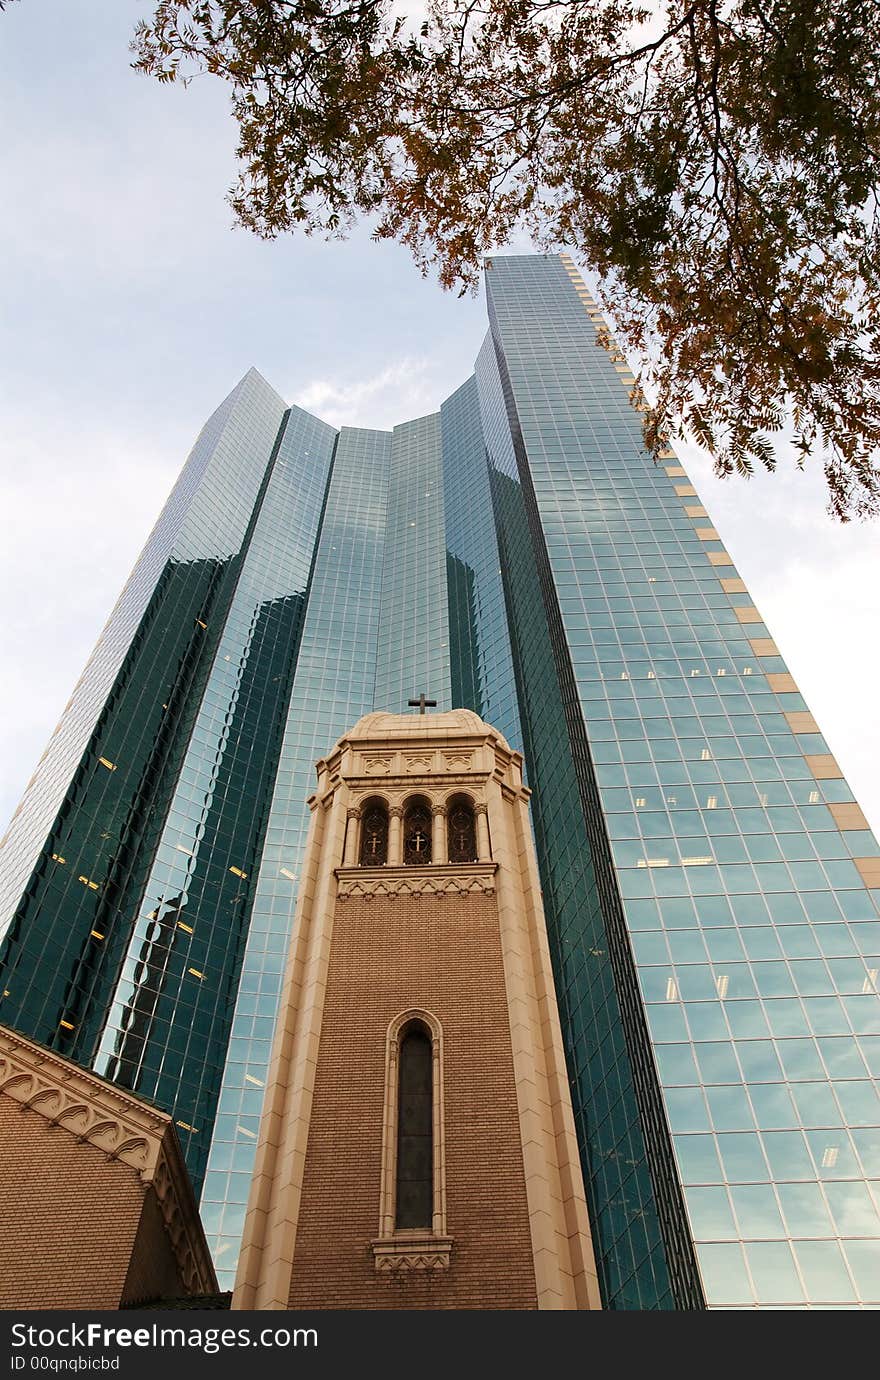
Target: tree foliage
<point x="713" y="163"/>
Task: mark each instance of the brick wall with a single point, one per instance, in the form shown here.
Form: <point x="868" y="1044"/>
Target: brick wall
<point x="69" y="1216"/>
<point x="388" y="955"/>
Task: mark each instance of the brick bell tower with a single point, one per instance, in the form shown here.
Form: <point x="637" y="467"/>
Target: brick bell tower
<point x="417" y="1147"/>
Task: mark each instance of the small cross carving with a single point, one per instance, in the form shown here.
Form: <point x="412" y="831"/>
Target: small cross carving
<point x="422" y="704"/>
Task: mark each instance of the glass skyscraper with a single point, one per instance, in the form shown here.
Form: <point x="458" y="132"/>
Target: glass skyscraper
<point x="712" y="889"/>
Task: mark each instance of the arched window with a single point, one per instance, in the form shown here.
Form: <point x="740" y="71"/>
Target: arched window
<point x="374" y="835"/>
<point x="412" y="1194"/>
<point x="461" y="832"/>
<point x="417" y="834"/>
<point x="414" y="1186"/>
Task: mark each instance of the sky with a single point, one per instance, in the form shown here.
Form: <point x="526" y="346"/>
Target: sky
<point x="130" y="307"/>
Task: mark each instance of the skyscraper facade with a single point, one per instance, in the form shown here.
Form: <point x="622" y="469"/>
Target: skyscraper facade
<point x="711" y="887"/>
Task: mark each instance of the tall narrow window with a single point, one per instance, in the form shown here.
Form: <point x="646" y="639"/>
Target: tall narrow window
<point x="417" y="834"/>
<point x="414" y="1197"/>
<point x="412" y="1193"/>
<point x="462" y="832"/>
<point x="374" y="835"/>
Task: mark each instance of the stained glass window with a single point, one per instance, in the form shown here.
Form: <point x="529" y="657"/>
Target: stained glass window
<point x="374" y="835"/>
<point x="462" y="832"/>
<point x="417" y="834"/>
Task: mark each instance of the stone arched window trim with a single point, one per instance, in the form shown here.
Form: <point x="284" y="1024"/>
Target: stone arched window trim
<point x="427" y="1249"/>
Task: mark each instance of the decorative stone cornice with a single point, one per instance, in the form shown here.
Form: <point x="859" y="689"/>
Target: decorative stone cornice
<point x="435" y="879"/>
<point x="123" y="1128"/>
<point x="174" y="1195"/>
<point x="400" y="1254"/>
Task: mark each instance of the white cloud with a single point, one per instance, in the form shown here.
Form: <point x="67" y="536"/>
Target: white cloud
<point x="398" y="393"/>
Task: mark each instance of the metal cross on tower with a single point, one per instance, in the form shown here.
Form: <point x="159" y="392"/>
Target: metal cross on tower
<point x="422" y="704"/>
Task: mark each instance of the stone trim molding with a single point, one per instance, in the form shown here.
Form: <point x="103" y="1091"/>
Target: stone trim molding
<point x="434" y="879"/>
<point x="120" y="1126"/>
<point x="419" y="1251"/>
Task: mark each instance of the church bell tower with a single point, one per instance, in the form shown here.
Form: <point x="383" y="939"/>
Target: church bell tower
<point x="417" y="1146"/>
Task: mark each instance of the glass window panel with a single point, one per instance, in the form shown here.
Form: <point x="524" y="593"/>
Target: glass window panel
<point x="867" y="1144"/>
<point x="710" y="1214"/>
<point x="786" y="908"/>
<point x="686" y="1109"/>
<point x="773" y="979"/>
<point x="667" y="1022"/>
<point x="843" y="1057"/>
<point x="824" y="1272"/>
<point x="798" y="941"/>
<point x="864" y="1014"/>
<point x="800" y="1059"/>
<point x="833" y="1154"/>
<point x="805" y="1209"/>
<point x="816" y="1105"/>
<point x="698" y="1160"/>
<point x="696" y="983"/>
<point x="718" y="1063"/>
<point x="870" y="1048"/>
<point x="853" y="1209"/>
<point x="849" y="974"/>
<point x="742" y="1157"/>
<point x="686" y="946"/>
<point x="656" y="983"/>
<point x="786" y="1016"/>
<point x="706" y="1020"/>
<point x="730" y="1108"/>
<point x="835" y="941"/>
<point x="773" y="1271"/>
<point x="713" y="910"/>
<point x="756" y="1210"/>
<point x="676" y="1064"/>
<point x="826" y="1016"/>
<point x="676" y="911"/>
<point x="725" y="1279"/>
<point x="761" y="942"/>
<point x="788" y="1155"/>
<point x="746" y="1018"/>
<point x="864" y="1261"/>
<point x="860" y="1102"/>
<point x="735" y="981"/>
<point x="773" y="1106"/>
<point x="724" y="945"/>
<point x="759" y="1061"/>
<point x="650" y="947"/>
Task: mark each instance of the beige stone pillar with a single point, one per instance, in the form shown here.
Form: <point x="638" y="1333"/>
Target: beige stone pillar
<point x="439" y="848"/>
<point x="395" y="836"/>
<point x="482" y="822"/>
<point x="351" y="838"/>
